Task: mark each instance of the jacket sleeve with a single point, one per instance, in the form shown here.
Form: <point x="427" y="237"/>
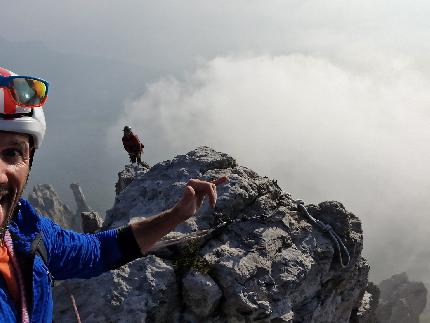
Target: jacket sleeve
<point x="80" y="255"/>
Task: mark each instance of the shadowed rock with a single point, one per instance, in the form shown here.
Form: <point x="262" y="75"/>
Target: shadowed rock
<point x="91" y="222"/>
<point x="127" y="175"/>
<point x="201" y="294"/>
<point x="366" y="312"/>
<point x="401" y="301"/>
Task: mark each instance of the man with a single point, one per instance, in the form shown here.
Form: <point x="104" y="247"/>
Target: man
<point x="25" y="277"/>
<point x="132" y="145"/>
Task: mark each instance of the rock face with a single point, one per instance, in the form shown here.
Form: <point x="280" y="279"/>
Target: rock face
<point x="91" y="222"/>
<point x="263" y="262"/>
<point x="366" y="312"/>
<point x="81" y="202"/>
<point x="47" y="202"/>
<point x="127" y="175"/>
<point x="200" y="293"/>
<point x="401" y="301"/>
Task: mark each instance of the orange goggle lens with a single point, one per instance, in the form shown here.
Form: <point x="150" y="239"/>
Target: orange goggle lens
<point x="28" y="92"/>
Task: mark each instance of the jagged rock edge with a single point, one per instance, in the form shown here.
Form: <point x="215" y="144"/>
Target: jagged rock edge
<point x="263" y="190"/>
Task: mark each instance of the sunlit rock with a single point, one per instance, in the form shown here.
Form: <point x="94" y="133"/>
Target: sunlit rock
<point x="260" y="260"/>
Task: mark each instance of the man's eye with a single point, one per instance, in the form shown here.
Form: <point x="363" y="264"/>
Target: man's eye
<point x="12" y="153"/>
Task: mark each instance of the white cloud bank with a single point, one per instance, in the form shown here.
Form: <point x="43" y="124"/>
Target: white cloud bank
<point x="323" y="129"/>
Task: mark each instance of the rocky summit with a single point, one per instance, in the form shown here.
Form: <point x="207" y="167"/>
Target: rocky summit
<point x="256" y="257"/>
<point x="401" y="300"/>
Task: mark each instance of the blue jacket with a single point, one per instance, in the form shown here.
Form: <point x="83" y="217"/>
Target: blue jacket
<point x="69" y="255"/>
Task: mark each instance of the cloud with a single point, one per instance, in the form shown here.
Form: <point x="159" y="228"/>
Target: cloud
<point x="324" y="129"/>
<point x="172" y="34"/>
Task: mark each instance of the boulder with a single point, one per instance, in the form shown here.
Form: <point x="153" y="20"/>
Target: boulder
<point x="255" y="257"/>
<point x="401" y="301"/>
<point x="127" y="175"/>
<point x="366" y="312"/>
<point x="200" y="293"/>
<point x="91" y="222"/>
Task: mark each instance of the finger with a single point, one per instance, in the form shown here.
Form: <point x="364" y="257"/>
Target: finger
<point x="199" y="200"/>
<point x="199" y="186"/>
<point x="203" y="188"/>
<point x="212" y="194"/>
<point x="197" y="182"/>
<point x="215" y="194"/>
<point x="188" y="195"/>
<point x="221" y="180"/>
<point x="207" y="189"/>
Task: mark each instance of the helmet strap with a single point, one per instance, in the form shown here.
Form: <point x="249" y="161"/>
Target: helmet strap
<point x="32" y="150"/>
<point x="31" y="156"/>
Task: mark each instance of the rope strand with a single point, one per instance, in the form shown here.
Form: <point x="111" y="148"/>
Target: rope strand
<point x="18" y="274"/>
<point x="340" y="247"/>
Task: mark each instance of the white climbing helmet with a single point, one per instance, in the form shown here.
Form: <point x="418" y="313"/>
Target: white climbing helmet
<point x="21" y="102"/>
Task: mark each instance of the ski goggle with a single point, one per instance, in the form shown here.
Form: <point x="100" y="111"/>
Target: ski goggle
<point x="26" y="91"/>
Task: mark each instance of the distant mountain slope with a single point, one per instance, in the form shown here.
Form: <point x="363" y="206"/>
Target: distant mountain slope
<point x="86" y="95"/>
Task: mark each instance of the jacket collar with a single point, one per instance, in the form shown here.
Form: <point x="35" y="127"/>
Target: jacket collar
<point x="24" y="226"/>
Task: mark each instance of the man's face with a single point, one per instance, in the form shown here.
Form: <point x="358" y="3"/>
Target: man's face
<point x="14" y="168"/>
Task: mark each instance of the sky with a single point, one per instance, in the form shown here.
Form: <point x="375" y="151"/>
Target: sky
<point x="330" y="98"/>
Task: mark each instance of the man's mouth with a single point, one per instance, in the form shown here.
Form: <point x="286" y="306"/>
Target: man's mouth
<point x="5" y="202"/>
<point x="4" y="195"/>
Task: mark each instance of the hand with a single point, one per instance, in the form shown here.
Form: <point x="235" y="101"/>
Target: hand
<point x="194" y="194"/>
<point x="151" y="229"/>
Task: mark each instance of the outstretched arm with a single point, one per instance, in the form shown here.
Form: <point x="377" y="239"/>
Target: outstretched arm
<point x="77" y="255"/>
<point x="150" y="230"/>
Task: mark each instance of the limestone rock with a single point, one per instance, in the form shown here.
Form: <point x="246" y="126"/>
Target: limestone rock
<point x="91" y="222"/>
<point x="47" y="202"/>
<point x="127" y="175"/>
<point x="401" y="301"/>
<point x="366" y="312"/>
<point x="142" y="291"/>
<point x="81" y="202"/>
<point x="201" y="294"/>
<point x="262" y="255"/>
